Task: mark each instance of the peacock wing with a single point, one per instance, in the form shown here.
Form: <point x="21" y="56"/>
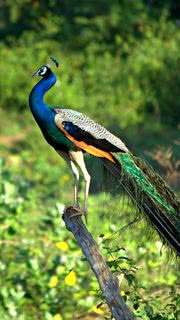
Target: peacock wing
<point x="85" y="132"/>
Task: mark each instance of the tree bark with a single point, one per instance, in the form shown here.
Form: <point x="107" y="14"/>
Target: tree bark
<point x="108" y="282"/>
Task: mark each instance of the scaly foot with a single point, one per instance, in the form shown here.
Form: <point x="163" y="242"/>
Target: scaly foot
<point x="80" y="212"/>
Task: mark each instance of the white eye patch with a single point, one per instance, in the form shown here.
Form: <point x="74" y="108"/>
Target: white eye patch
<point x="42" y="71"/>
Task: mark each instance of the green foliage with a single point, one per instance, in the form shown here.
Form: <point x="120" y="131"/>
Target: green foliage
<point x="119" y="58"/>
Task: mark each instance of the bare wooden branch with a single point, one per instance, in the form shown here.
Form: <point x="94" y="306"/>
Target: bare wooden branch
<point x="108" y="282"/>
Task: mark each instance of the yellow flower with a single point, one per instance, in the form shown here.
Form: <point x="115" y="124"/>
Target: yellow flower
<point x="57" y="317"/>
<point x="107" y="236"/>
<point x="53" y="282"/>
<point x="122" y="293"/>
<point x="62" y="245"/>
<point x="97" y="310"/>
<point x="70" y="279"/>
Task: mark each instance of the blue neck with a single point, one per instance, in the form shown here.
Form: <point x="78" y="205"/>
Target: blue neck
<point x="39" y="109"/>
<point x="44" y="115"/>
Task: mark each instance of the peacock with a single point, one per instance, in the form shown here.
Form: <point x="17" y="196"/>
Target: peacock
<point x="73" y="134"/>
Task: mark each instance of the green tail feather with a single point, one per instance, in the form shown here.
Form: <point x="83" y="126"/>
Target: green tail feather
<point x="134" y="171"/>
<point x="151" y="194"/>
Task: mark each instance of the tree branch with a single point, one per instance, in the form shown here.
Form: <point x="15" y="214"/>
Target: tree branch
<point x="108" y="282"/>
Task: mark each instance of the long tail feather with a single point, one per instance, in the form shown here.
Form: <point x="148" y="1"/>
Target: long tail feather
<point x="151" y="195"/>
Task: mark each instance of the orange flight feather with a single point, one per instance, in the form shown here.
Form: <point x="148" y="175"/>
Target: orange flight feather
<point x="88" y="148"/>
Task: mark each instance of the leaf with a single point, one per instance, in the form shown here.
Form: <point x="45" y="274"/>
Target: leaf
<point x="130" y="278"/>
<point x="149" y="311"/>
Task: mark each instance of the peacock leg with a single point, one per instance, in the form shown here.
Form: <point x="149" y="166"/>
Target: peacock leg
<point x="78" y="157"/>
<point x="76" y="181"/>
<point x="75" y="172"/>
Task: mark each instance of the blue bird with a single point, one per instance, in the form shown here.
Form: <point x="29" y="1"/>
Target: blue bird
<point x="72" y="134"/>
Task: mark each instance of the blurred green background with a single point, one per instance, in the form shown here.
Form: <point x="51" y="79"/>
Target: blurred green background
<point x="119" y="64"/>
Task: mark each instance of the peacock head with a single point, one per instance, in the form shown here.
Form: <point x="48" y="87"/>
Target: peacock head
<point x="45" y="70"/>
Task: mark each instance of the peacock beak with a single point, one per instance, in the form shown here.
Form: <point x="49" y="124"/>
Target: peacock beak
<point x="35" y="74"/>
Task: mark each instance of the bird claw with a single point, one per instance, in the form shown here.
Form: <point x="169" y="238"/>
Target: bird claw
<point x="80" y="212"/>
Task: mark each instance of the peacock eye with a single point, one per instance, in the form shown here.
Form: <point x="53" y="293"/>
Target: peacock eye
<point x="43" y="71"/>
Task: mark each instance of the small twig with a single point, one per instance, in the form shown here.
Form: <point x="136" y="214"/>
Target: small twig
<point x="137" y="219"/>
<point x="107" y="281"/>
